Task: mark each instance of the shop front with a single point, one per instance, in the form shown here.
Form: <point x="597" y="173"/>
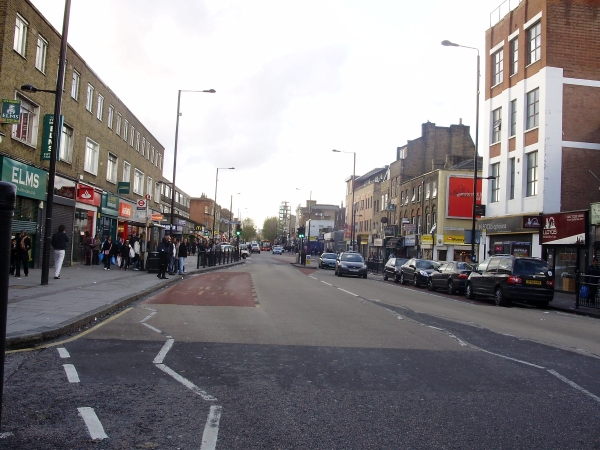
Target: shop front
<point x="564" y="246"/>
<point x="108" y="215"/>
<point x="511" y="235"/>
<point x="86" y="211"/>
<point x="129" y="224"/>
<point x="31" y="186"/>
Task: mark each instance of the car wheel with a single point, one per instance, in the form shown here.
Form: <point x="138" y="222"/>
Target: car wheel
<point x="430" y="285"/>
<point x="416" y="281"/>
<point x="365" y="276"/>
<point x="451" y="289"/>
<point x="396" y="279"/>
<point x="385" y="277"/>
<point x="401" y="277"/>
<point x="243" y="256"/>
<point x="499" y="298"/>
<point x="469" y="292"/>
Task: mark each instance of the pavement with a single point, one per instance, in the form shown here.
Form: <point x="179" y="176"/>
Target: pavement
<point x="82" y="296"/>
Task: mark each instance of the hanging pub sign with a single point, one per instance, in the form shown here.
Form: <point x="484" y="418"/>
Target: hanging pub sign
<point x="11" y="111"/>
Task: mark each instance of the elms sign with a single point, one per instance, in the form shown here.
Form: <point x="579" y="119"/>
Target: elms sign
<point x="30" y="182"/>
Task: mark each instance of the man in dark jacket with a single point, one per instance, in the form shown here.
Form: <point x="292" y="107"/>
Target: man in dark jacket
<point x="23" y="247"/>
<point x="182" y="254"/>
<point x="593" y="279"/>
<point x="164" y="253"/>
<point x="59" y="244"/>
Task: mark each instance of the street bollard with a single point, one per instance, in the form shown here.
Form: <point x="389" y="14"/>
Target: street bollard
<point x="8" y="195"/>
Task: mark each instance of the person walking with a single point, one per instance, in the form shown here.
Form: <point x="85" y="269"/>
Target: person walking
<point x="107" y="248"/>
<point x="183" y="253"/>
<point x="59" y="244"/>
<point x="88" y="245"/>
<point x="13" y="256"/>
<point x="136" y="258"/>
<point x="164" y="253"/>
<point x="23" y="245"/>
<point x="96" y="250"/>
<point x="125" y="256"/>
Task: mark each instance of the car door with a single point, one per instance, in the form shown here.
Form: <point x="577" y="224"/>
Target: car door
<point x="446" y="274"/>
<point x="476" y="277"/>
<point x="488" y="278"/>
<point x="389" y="267"/>
<point x="408" y="269"/>
<point x="438" y="275"/>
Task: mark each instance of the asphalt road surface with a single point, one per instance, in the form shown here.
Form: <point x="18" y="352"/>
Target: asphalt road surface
<point x="271" y="356"/>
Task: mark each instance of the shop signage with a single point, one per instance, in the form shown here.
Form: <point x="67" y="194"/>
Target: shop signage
<point x="198" y="228"/>
<point x="378" y="242"/>
<point x="410" y="241"/>
<point x="426" y="239"/>
<point x="460" y="197"/>
<point x="87" y="194"/>
<point x="125" y="210"/>
<point x="454" y="239"/>
<point x="110" y="204"/>
<point x="181" y="222"/>
<point x="409" y="227"/>
<point x="389" y="230"/>
<point x="11" y="111"/>
<point x="532" y="222"/>
<point x="123" y="187"/>
<point x="30" y="182"/>
<point x="47" y="137"/>
<point x="594" y="213"/>
<point x="156" y="217"/>
<point x="564" y="228"/>
<point x="510" y="224"/>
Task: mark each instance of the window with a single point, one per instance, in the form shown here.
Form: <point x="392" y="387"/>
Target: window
<point x="111" y="116"/>
<point x="401" y="199"/>
<point x="534" y="40"/>
<point x="75" y="85"/>
<point x="40" y="54"/>
<point x="132" y="136"/>
<point x="126" y="171"/>
<point x="119" y="118"/>
<point x="419" y="193"/>
<point x="511" y="188"/>
<point x="434" y="190"/>
<point x="111" y="168"/>
<point x="533" y="108"/>
<point x="27" y="128"/>
<point x="92" y="149"/>
<point x="100" y="107"/>
<point x="137" y="142"/>
<point x="532" y="175"/>
<point x="152" y="158"/>
<point x="496" y="125"/>
<point x="514" y="56"/>
<point x="125" y="128"/>
<point x="495" y="186"/>
<point x="148" y="153"/>
<point x="149" y="187"/>
<point x="414" y="194"/>
<point x="66" y="145"/>
<point x="138" y="182"/>
<point x="497" y="67"/>
<point x="143" y="146"/>
<point x="513" y="118"/>
<point x="160" y="162"/>
<point x="157" y="192"/>
<point x="90" y="97"/>
<point x="427" y="190"/>
<point x="20" y="41"/>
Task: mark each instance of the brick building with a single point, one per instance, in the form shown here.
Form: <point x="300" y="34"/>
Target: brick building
<point x="541" y="127"/>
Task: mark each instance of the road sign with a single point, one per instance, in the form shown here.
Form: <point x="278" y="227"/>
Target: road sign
<point x="148" y="196"/>
<point x="141" y="204"/>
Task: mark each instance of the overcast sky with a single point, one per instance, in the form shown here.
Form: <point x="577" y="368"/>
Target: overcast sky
<point x="294" y="80"/>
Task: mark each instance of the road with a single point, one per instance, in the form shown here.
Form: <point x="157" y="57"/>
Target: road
<point x="269" y="355"/>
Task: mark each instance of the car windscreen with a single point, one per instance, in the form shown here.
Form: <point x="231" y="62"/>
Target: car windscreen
<point x="329" y="256"/>
<point x="463" y="266"/>
<point x="352" y="258"/>
<point x="400" y="261"/>
<point x="424" y="264"/>
<point x="530" y="267"/>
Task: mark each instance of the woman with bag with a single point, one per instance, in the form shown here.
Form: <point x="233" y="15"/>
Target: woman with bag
<point x="106" y="249"/>
<point x="125" y="255"/>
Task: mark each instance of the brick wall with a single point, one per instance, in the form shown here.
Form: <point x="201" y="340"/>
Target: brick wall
<point x="579" y="186"/>
<point x="581" y="114"/>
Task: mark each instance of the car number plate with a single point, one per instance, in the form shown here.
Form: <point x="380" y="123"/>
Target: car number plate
<point x="353" y="270"/>
<point x="537" y="282"/>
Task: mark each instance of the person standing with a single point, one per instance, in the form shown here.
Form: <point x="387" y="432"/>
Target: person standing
<point x="107" y="249"/>
<point x="23" y="246"/>
<point x="59" y="244"/>
<point x="13" y="256"/>
<point x="125" y="257"/>
<point x="593" y="273"/>
<point x="96" y="251"/>
<point x="164" y="252"/>
<point x="88" y="245"/>
<point x="136" y="258"/>
<point x="183" y="252"/>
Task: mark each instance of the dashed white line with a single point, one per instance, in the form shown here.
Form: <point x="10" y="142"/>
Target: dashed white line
<point x="211" y="429"/>
<point x="163" y="351"/>
<point x="347" y="292"/>
<point x="324" y="282"/>
<point x="72" y="375"/>
<point x="63" y="353"/>
<point x="152" y="328"/>
<point x="94" y="426"/>
<point x="148" y="317"/>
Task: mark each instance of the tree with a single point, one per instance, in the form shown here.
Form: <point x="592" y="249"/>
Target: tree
<point x="270" y="229"/>
<point x="248" y="230"/>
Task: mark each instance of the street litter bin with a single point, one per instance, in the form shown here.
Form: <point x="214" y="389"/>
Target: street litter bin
<point x="153" y="262"/>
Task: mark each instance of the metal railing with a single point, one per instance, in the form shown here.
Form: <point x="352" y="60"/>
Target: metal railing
<point x="375" y="265"/>
<point x="217" y="258"/>
<point x="501" y="11"/>
<point x="591" y="298"/>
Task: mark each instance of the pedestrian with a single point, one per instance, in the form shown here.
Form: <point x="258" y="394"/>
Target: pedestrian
<point x="13" y="256"/>
<point x="59" y="243"/>
<point x="125" y="256"/>
<point x="593" y="278"/>
<point x="164" y="253"/>
<point x="183" y="252"/>
<point x="96" y="250"/>
<point x="136" y="258"/>
<point x="107" y="249"/>
<point x="88" y="245"/>
<point x="23" y="245"/>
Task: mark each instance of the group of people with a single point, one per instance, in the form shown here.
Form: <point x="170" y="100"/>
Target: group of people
<point x="172" y="253"/>
<point x="19" y="255"/>
<point x="126" y="252"/>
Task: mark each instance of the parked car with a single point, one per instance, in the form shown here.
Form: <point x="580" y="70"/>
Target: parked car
<point x="255" y="248"/>
<point x="277" y="250"/>
<point x="350" y="263"/>
<point x="451" y="276"/>
<point x="244" y="252"/>
<point x="417" y="271"/>
<point x="507" y="278"/>
<point x="392" y="268"/>
<point x="327" y="260"/>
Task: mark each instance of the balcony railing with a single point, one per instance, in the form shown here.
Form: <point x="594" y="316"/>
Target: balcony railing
<point x="501" y="11"/>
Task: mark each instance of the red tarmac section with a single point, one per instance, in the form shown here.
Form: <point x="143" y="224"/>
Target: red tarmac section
<point x="212" y="289"/>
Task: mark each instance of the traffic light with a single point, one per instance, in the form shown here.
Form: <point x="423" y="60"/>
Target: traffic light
<point x="300" y="232"/>
<point x="238" y="230"/>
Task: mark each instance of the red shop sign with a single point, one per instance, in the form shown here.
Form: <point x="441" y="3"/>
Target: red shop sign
<point x="125" y="209"/>
<point x="87" y="194"/>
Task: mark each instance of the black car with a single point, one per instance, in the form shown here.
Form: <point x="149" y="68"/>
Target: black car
<point x="451" y="276"/>
<point x="327" y="260"/>
<point x="350" y="263"/>
<point x="392" y="268"/>
<point x="417" y="271"/>
<point x="507" y="278"/>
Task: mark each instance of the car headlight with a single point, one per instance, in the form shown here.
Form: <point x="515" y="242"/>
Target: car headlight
<point x="423" y="273"/>
<point x="364" y="266"/>
<point x="343" y="266"/>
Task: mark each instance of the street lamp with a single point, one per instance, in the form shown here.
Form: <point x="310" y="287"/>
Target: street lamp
<point x="209" y="91"/>
<point x="231" y="213"/>
<point x="447" y="43"/>
<point x="56" y="132"/>
<point x="353" y="182"/>
<point x="215" y="205"/>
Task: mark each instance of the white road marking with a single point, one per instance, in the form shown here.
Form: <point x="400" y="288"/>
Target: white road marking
<point x="147" y="317"/>
<point x="211" y="429"/>
<point x="92" y="422"/>
<point x="72" y="375"/>
<point x="574" y="385"/>
<point x="152" y="328"/>
<point x="347" y="292"/>
<point x="163" y="351"/>
<point x="328" y="284"/>
<point x="63" y="352"/>
<point x="187" y="383"/>
<point x="314" y="278"/>
<point x="509" y="358"/>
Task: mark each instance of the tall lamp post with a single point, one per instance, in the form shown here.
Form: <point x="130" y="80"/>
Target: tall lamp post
<point x="209" y="91"/>
<point x="56" y="133"/>
<point x="447" y="43"/>
<point x="353" y="183"/>
<point x="231" y="213"/>
<point x="215" y="205"/>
